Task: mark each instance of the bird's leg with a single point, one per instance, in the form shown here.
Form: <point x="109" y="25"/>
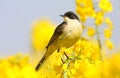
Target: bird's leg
<point x="62" y="60"/>
<point x="66" y="55"/>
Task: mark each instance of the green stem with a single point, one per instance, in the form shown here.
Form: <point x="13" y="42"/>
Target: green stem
<point x="99" y="41"/>
<point x="65" y="74"/>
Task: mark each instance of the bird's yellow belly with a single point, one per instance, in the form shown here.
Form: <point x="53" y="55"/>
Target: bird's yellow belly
<point x="71" y="34"/>
<point x="70" y="37"/>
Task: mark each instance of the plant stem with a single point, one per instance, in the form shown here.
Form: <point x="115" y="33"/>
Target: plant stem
<point x="99" y="41"/>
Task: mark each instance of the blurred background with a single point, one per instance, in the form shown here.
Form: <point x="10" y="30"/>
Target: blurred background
<point x="17" y="16"/>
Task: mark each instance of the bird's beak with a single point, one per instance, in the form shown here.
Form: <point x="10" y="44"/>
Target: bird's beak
<point x="62" y="15"/>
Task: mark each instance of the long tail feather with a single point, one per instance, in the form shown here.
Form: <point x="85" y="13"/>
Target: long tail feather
<point x="44" y="58"/>
<point x="35" y="57"/>
<point x="41" y="62"/>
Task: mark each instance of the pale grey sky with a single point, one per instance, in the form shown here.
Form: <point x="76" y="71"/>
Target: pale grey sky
<point x="16" y="17"/>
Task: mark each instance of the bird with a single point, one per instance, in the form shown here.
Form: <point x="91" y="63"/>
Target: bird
<point x="65" y="35"/>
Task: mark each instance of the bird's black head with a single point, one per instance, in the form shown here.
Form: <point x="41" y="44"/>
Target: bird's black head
<point x="70" y="15"/>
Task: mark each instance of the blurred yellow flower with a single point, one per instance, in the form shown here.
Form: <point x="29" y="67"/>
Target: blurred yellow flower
<point x="109" y="23"/>
<point x="107" y="33"/>
<point x="105" y="5"/>
<point x="88" y="49"/>
<point x="58" y="70"/>
<point x="85" y="8"/>
<point x="111" y="67"/>
<point x="109" y="44"/>
<point x="65" y="66"/>
<point x="16" y="67"/>
<point x="99" y="18"/>
<point x="91" y="31"/>
<point x="42" y="31"/>
<point x="83" y="18"/>
<point x="80" y="68"/>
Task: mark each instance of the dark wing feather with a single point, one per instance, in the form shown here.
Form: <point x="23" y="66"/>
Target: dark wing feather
<point x="58" y="31"/>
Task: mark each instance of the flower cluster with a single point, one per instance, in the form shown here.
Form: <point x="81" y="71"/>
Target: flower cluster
<point x="17" y="66"/>
<point x="96" y="10"/>
<point x="84" y="68"/>
<point x="78" y="60"/>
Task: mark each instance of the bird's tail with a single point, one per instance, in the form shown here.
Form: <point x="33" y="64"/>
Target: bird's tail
<point x="41" y="62"/>
<point x="37" y="61"/>
<point x="36" y="58"/>
<point x="48" y="52"/>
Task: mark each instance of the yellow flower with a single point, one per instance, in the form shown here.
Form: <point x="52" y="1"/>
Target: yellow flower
<point x="91" y="31"/>
<point x="16" y="67"/>
<point x="99" y="18"/>
<point x="85" y="69"/>
<point x="19" y="59"/>
<point x="109" y="44"/>
<point x="58" y="70"/>
<point x="93" y="71"/>
<point x="86" y="49"/>
<point x="73" y="71"/>
<point x="107" y="33"/>
<point x="109" y="23"/>
<point x="41" y="33"/>
<point x="111" y="66"/>
<point x="65" y="66"/>
<point x="83" y="18"/>
<point x="85" y="3"/>
<point x="80" y="67"/>
<point x="105" y="5"/>
<point x="85" y="8"/>
<point x="81" y="11"/>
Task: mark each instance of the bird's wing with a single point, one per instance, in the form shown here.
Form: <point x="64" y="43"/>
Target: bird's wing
<point x="58" y="31"/>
